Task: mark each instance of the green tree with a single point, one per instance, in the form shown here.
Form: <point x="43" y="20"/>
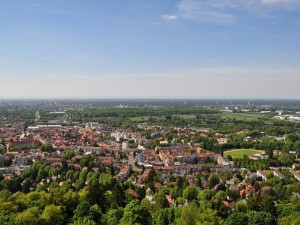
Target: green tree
<point x="84" y="221"/>
<point x="6" y="220"/>
<point x="205" y="195"/>
<point x="95" y="213"/>
<point x="208" y="217"/>
<point x="52" y="215"/>
<point x="160" y="200"/>
<point x="47" y="147"/>
<point x="135" y="213"/>
<point x="106" y="181"/>
<point x="165" y="216"/>
<point x="190" y="193"/>
<point x="94" y="193"/>
<point x="237" y="219"/>
<point x="213" y="180"/>
<point x="113" y="216"/>
<point x="188" y="215"/>
<point x="241" y="206"/>
<point x="260" y="218"/>
<point x="30" y="216"/>
<point x="82" y="210"/>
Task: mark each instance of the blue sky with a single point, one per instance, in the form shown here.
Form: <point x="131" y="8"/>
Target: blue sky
<point x="150" y="49"/>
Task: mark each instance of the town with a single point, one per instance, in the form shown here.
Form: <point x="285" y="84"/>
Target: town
<point x="235" y="159"/>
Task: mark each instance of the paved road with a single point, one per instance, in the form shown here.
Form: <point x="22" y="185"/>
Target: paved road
<point x="131" y="162"/>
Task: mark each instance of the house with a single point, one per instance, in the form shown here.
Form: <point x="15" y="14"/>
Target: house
<point x="247" y="191"/>
<point x="233" y="187"/>
<point x="277" y="173"/>
<point x="170" y="200"/>
<point x="264" y="190"/>
<point x="296" y="175"/>
<point x="125" y="171"/>
<point x="133" y="193"/>
<point x="262" y="174"/>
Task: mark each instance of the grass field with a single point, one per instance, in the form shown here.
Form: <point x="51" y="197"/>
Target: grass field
<point x="245" y="116"/>
<point x="146" y="118"/>
<point x="185" y="116"/>
<point x="239" y="153"/>
<point x="143" y="118"/>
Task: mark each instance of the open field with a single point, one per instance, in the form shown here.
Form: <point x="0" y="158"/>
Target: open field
<point x="245" y="116"/>
<point x="143" y="118"/>
<point x="185" y="116"/>
<point x="146" y="118"/>
<point x="239" y="153"/>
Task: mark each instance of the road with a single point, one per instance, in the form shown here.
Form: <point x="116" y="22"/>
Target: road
<point x="131" y="162"/>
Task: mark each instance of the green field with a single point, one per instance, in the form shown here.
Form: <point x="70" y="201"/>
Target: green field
<point x="185" y="116"/>
<point x="239" y="153"/>
<point x="147" y="118"/>
<point x="144" y="118"/>
<point x="246" y="116"/>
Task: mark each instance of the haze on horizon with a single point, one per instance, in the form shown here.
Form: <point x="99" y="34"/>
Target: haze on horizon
<point x="150" y="49"/>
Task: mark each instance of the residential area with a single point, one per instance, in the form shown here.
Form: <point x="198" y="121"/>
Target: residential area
<point x="161" y="165"/>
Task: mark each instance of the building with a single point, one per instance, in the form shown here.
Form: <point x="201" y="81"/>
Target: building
<point x="296" y="175"/>
<point x="1" y="160"/>
<point x="125" y="145"/>
<point x="277" y="173"/>
<point x="262" y="174"/>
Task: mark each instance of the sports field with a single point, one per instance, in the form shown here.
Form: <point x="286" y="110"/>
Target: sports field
<point x="239" y="153"/>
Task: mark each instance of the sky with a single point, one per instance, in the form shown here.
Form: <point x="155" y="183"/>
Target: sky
<point x="150" y="49"/>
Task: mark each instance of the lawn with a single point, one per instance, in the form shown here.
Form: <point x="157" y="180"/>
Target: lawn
<point x="143" y="118"/>
<point x="245" y="116"/>
<point x="239" y="153"/>
<point x="185" y="116"/>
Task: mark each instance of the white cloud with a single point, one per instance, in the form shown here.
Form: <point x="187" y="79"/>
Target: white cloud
<point x="270" y="2"/>
<point x="224" y="12"/>
<point x="205" y="11"/>
<point x="169" y="17"/>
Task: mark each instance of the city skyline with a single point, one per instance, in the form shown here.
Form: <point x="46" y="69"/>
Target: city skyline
<point x="160" y="49"/>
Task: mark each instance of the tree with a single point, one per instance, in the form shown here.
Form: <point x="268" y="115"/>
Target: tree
<point x="29" y="216"/>
<point x="286" y="158"/>
<point x="254" y="202"/>
<point x="84" y="221"/>
<point x="221" y="195"/>
<point x="95" y="213"/>
<point x="52" y="215"/>
<point x="147" y="204"/>
<point x="237" y="219"/>
<point x="268" y="205"/>
<point x="70" y="201"/>
<point x="175" y="192"/>
<point x="47" y="147"/>
<point x="260" y="218"/>
<point x="213" y="180"/>
<point x="94" y="194"/>
<point x="190" y="193"/>
<point x="134" y="213"/>
<point x="188" y="215"/>
<point x="82" y="210"/>
<point x="164" y="216"/>
<point x="160" y="200"/>
<point x="113" y="216"/>
<point x="208" y="217"/>
<point x="241" y="206"/>
<point x="106" y="181"/>
<point x="205" y="195"/>
<point x="26" y="186"/>
<point x="6" y="220"/>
